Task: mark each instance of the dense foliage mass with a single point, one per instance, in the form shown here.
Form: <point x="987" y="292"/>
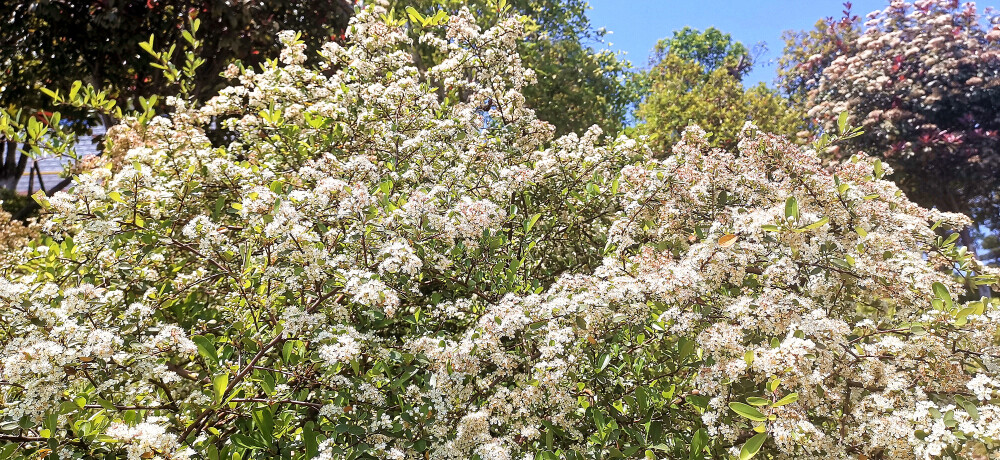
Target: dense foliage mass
<point x="711" y="49"/>
<point x="380" y="263"/>
<point x="921" y="78"/>
<point x="696" y="78"/>
<point x="51" y="44"/>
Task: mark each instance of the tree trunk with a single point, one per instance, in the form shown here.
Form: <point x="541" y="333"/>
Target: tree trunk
<point x="13" y="166"/>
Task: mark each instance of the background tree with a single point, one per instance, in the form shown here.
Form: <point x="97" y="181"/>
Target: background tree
<point x="807" y="53"/>
<point x="921" y="77"/>
<point x="696" y="78"/>
<point x="711" y="49"/>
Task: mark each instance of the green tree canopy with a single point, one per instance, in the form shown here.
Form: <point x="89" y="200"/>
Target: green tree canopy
<point x="711" y="49"/>
<point x="52" y="44"/>
<point x="696" y="78"/>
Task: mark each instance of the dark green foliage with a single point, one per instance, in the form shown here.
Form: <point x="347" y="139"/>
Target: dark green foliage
<point x="50" y="43"/>
<point x="711" y="49"/>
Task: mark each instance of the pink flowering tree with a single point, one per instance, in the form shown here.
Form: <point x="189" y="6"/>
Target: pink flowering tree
<point x="920" y="77"/>
<point x="384" y="263"/>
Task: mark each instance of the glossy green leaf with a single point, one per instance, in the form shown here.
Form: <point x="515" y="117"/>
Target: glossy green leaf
<point x="792" y="208"/>
<point x="941" y="292"/>
<point x="747" y="411"/>
<point x="219" y="384"/>
<point x="752" y="446"/>
<point x="206" y="348"/>
<point x="787" y="399"/>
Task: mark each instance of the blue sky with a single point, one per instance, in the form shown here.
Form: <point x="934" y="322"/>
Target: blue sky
<point x="638" y="24"/>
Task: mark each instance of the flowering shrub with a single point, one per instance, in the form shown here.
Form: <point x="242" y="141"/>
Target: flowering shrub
<point x="394" y="265"/>
<point x="920" y="77"/>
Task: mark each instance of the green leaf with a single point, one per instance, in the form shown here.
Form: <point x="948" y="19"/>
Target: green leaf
<point x="219" y="205"/>
<point x="698" y="443"/>
<point x="603" y="361"/>
<point x="969" y="407"/>
<point x="817" y="224"/>
<point x="75" y="89"/>
<point x="842" y="122"/>
<point x="792" y="208"/>
<point x="148" y="46"/>
<point x="245" y="442"/>
<point x="219" y="384"/>
<point x="48" y="92"/>
<point x="7" y="451"/>
<point x="264" y="421"/>
<point x="106" y="404"/>
<point x="206" y="348"/>
<point x="414" y="15"/>
<point x="41" y="198"/>
<point x="747" y="411"/>
<point x="310" y="439"/>
<point x="963" y="316"/>
<point x="941" y="292"/>
<point x="840" y="263"/>
<point x="757" y="401"/>
<point x="787" y="399"/>
<point x="531" y="222"/>
<point x="752" y="446"/>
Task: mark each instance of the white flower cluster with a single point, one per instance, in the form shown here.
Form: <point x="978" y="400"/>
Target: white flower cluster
<point x="148" y="440"/>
